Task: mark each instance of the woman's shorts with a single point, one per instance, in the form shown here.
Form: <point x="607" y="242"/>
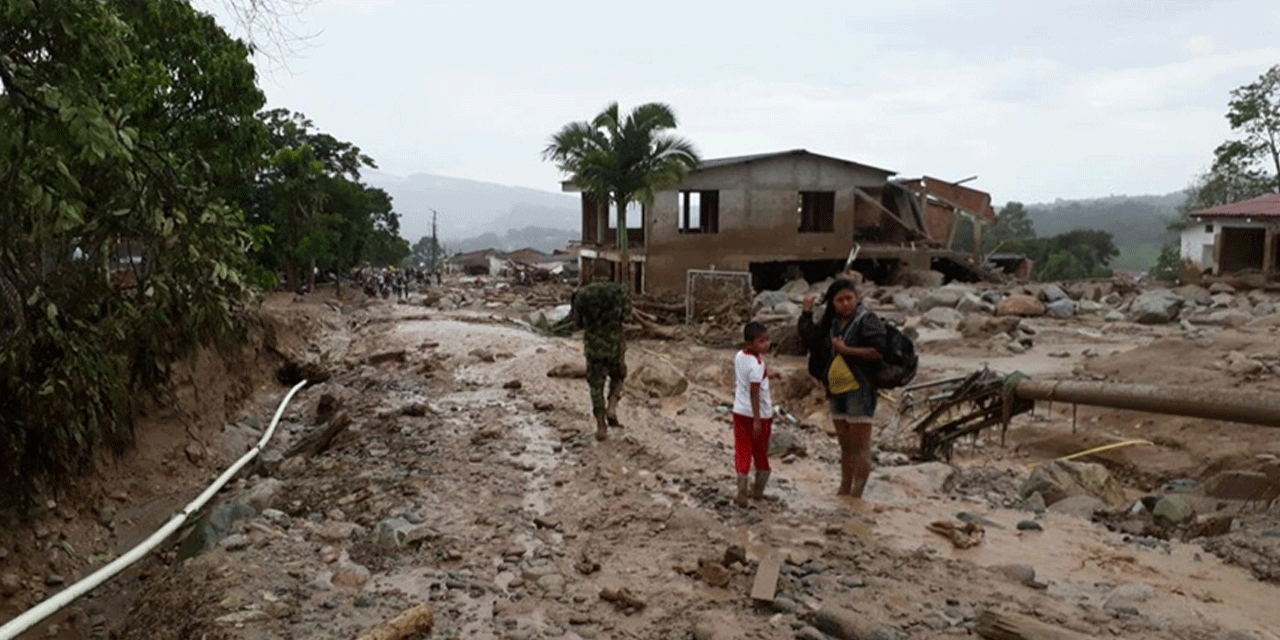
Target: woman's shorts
<point x="855" y="406"/>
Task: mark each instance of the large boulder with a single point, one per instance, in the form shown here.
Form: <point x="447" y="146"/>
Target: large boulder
<point x="1226" y="318"/>
<point x="1020" y="305"/>
<point x="1195" y="294"/>
<point x="1242" y="485"/>
<point x="944" y="317"/>
<point x="1062" y="308"/>
<point x="971" y="303"/>
<point x="1060" y="479"/>
<point x="797" y="287"/>
<point x="913" y="278"/>
<point x="1053" y="293"/>
<point x="767" y="299"/>
<point x="903" y="301"/>
<point x="1159" y="306"/>
<point x="944" y="297"/>
<point x="1223" y="300"/>
<point x="659" y="379"/>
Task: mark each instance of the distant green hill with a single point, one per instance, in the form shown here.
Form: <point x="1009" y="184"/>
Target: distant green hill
<point x="1137" y="223"/>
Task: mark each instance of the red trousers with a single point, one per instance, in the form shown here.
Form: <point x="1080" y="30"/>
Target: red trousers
<point x="747" y="448"/>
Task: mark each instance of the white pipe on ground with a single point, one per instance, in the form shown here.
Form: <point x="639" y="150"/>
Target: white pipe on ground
<point x="52" y="605"/>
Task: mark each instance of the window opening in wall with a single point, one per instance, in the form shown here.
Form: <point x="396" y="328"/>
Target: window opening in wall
<point x="1208" y="228"/>
<point x="699" y="212"/>
<point x="817" y="211"/>
<point x="635" y="215"/>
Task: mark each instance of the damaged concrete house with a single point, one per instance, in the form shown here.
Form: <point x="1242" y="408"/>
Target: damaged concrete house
<point x="774" y="214"/>
<point x="1235" y="237"/>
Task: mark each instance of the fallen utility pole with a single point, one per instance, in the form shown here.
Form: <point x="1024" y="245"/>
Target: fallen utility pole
<point x="986" y="399"/>
<point x="1228" y="405"/>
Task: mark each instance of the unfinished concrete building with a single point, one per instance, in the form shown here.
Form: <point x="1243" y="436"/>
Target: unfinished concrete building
<point x="776" y="214"/>
<point x="1235" y="237"/>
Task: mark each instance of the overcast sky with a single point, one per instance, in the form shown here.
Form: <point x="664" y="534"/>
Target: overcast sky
<point x="1041" y="99"/>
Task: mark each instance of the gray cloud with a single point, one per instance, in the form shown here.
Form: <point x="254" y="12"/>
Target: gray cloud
<point x="1040" y="99"/>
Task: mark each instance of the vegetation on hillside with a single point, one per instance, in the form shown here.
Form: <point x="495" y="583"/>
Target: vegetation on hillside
<point x="140" y="188"/>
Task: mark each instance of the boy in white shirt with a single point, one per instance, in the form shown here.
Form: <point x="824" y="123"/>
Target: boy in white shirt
<point x="752" y="411"/>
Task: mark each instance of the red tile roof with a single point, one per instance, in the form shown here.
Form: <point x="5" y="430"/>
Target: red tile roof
<point x="1261" y="207"/>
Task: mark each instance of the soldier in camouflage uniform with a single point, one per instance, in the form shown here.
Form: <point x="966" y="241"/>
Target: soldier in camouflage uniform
<point x="600" y="309"/>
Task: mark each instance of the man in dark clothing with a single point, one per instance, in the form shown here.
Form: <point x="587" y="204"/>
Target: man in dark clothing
<point x="600" y="309"/>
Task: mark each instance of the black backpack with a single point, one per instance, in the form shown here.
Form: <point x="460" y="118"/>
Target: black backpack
<point x="898" y="360"/>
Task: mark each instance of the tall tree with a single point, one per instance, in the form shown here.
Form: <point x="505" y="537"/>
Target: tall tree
<point x="623" y="159"/>
<point x="1249" y="165"/>
<point x="1012" y="225"/>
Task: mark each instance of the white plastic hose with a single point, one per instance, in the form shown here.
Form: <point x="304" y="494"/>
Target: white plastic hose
<point x="52" y="605"/>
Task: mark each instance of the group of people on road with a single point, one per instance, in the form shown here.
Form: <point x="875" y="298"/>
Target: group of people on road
<point x="846" y="347"/>
<point x="384" y="282"/>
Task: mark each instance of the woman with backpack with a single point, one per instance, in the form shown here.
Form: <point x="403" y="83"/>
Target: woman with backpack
<point x="845" y="353"/>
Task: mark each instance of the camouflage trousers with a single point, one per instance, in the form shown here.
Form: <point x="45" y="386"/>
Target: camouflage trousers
<point x="615" y="369"/>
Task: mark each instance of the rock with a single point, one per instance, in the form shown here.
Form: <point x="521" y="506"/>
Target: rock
<point x="715" y="625"/>
<point x="1114" y="316"/>
<point x="1195" y="294"/>
<point x="1079" y="506"/>
<point x="783" y="442"/>
<point x="1020" y="573"/>
<point x="734" y="554"/>
<point x="350" y="576"/>
<point x="54" y="580"/>
<point x="393" y="532"/>
<point x="851" y="625"/>
<point x="1053" y="293"/>
<point x="1236" y="635"/>
<point x="924" y="479"/>
<point x="926" y="279"/>
<point x="513" y="384"/>
<point x="1264" y="309"/>
<point x="660" y="379"/>
<point x="10" y="584"/>
<point x="1221" y="288"/>
<point x="105" y="516"/>
<point x="905" y="302"/>
<point x="241" y="617"/>
<point x="1158" y="306"/>
<point x="1034" y="503"/>
<point x="1174" y="509"/>
<point x="944" y="297"/>
<point x="1059" y="479"/>
<point x="767" y="300"/>
<point x="1015" y="347"/>
<point x="1210" y="526"/>
<point x="263" y="495"/>
<point x="809" y="633"/>
<point x="787" y="309"/>
<point x="943" y="317"/>
<point x="212" y="527"/>
<point x="1029" y="525"/>
<point x="1089" y="307"/>
<point x="1226" y="318"/>
<point x="1061" y="309"/>
<point x="568" y="370"/>
<point x="1020" y="305"/>
<point x="795" y="288"/>
<point x="293" y="372"/>
<point x="1126" y="598"/>
<point x="235" y="542"/>
<point x="337" y="531"/>
<point x="1223" y="301"/>
<point x="973" y="304"/>
<point x="1241" y="485"/>
<point x="713" y="573"/>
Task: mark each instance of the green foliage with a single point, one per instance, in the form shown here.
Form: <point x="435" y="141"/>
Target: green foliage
<point x="1083" y="253"/>
<point x="1012" y="225"/>
<point x="1168" y="266"/>
<point x="313" y="209"/>
<point x="1248" y="166"/>
<point x="124" y="125"/>
<point x="621" y="159"/>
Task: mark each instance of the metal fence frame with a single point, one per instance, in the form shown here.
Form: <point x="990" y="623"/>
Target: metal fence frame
<point x="692" y="275"/>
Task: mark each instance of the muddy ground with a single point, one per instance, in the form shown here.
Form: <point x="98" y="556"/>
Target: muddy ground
<point x="468" y="478"/>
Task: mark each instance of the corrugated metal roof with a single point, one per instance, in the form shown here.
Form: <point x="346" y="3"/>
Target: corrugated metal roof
<point x="1261" y="206"/>
<point x="713" y="163"/>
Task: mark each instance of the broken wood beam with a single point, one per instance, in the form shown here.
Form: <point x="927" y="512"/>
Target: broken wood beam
<point x="316" y="443"/>
<point x="765" y="586"/>
<point x="995" y="625"/>
<point x="412" y="623"/>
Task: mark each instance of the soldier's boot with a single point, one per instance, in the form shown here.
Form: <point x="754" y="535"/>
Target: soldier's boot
<point x="611" y="410"/>
<point x="757" y="490"/>
<point x="602" y="427"/>
<point x="741" y="498"/>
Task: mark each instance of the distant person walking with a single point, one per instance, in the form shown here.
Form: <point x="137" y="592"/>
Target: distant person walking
<point x="752" y="412"/>
<point x="600" y="309"/>
<point x="845" y="349"/>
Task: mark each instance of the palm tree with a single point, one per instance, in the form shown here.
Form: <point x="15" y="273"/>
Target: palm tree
<point x="621" y="160"/>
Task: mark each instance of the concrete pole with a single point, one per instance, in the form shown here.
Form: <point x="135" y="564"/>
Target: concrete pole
<point x="1229" y="405"/>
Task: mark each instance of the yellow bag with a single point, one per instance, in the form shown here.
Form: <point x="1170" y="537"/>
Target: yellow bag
<point x="840" y="378"/>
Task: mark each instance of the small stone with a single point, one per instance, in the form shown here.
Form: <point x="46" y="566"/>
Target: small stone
<point x="54" y="580"/>
<point x="235" y="542"/>
<point x="1021" y="573"/>
<point x="1029" y="525"/>
<point x="106" y="516"/>
<point x="10" y="584"/>
<point x="543" y="406"/>
<point x="1174" y="509"/>
<point x="513" y="384"/>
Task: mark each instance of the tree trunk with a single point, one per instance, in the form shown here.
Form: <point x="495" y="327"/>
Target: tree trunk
<point x="623" y="251"/>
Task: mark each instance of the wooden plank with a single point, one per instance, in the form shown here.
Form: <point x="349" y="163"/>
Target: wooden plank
<point x="995" y="625"/>
<point x="766" y="582"/>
